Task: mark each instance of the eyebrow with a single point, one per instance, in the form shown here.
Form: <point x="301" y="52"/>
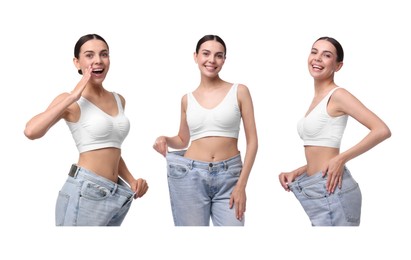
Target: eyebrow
<point x="90" y="51"/>
<point x="220" y="52"/>
<point x="323" y="51"/>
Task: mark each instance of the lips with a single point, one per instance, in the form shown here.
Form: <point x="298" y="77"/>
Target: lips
<point x="98" y="71"/>
<point x="210" y="67"/>
<point x="317" y="67"/>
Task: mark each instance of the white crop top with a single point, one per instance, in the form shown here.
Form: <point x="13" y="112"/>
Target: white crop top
<point x="96" y="129"/>
<point x="318" y="128"/>
<point x="222" y="120"/>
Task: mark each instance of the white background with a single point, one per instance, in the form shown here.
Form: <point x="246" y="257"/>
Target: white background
<point x="151" y="46"/>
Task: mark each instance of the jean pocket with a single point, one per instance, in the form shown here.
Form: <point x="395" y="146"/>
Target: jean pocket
<point x="315" y="191"/>
<point x="177" y="171"/>
<point x="93" y="191"/>
<point x="235" y="170"/>
<point x="350" y="200"/>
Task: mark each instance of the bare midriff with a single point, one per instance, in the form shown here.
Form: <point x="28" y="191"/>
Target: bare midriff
<point x="318" y="157"/>
<point x="212" y="149"/>
<point x="103" y="162"/>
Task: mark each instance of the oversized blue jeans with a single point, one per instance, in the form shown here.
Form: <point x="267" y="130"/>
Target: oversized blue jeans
<point x="87" y="199"/>
<point x="200" y="191"/>
<point x="341" y="208"/>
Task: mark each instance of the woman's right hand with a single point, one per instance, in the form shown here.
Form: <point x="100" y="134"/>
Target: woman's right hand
<point x="286" y="178"/>
<point x="160" y="145"/>
<point x="78" y="90"/>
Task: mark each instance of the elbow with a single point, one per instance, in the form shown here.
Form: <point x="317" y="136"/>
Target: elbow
<point x="185" y="144"/>
<point x="384" y="133"/>
<point x="387" y="133"/>
<point x="31" y="134"/>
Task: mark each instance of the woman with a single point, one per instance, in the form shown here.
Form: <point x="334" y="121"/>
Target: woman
<point x="324" y="186"/>
<point x="208" y="179"/>
<point x="95" y="193"/>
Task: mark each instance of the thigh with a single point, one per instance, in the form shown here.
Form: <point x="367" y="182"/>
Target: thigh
<point x="314" y="200"/>
<point x="190" y="203"/>
<point x="221" y="213"/>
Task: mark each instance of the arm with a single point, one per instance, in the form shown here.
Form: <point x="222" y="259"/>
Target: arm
<point x="181" y="140"/>
<point x="288" y="177"/>
<point x="139" y="186"/>
<point x="238" y="197"/>
<point x="39" y="125"/>
<point x="344" y="102"/>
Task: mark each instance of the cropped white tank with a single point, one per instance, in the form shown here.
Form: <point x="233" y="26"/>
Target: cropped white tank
<point x="318" y="128"/>
<point x="222" y="120"/>
<point x="96" y="129"/>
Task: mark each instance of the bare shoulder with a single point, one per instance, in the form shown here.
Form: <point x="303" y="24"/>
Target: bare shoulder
<point x="59" y="98"/>
<point x="342" y="94"/>
<point x="123" y="100"/>
<point x="243" y="91"/>
<point x="184" y="102"/>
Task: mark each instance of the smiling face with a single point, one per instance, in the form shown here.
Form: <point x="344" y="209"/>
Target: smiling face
<point x="94" y="53"/>
<point x="322" y="61"/>
<point x="210" y="58"/>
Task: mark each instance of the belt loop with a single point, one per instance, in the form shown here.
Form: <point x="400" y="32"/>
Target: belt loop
<point x="191" y="165"/>
<point x="298" y="186"/>
<point x="113" y="191"/>
<point x="74" y="171"/>
<point x="225" y="165"/>
<point x="210" y="167"/>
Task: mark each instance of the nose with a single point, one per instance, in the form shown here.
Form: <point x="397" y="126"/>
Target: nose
<point x="97" y="59"/>
<point x="211" y="59"/>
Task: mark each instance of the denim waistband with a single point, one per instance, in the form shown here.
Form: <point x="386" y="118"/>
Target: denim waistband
<point x="121" y="187"/>
<point x="304" y="180"/>
<point x="178" y="156"/>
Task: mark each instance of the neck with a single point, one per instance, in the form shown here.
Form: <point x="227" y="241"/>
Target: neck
<point x="323" y="85"/>
<point x="211" y="82"/>
<point x="94" y="90"/>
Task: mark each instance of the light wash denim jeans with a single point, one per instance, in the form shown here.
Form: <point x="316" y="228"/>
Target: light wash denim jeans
<point x="201" y="190"/>
<point x="91" y="200"/>
<point x="341" y="208"/>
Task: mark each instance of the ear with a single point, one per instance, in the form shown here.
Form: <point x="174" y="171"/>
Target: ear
<point x="195" y="57"/>
<point x="76" y="63"/>
<point x="339" y="66"/>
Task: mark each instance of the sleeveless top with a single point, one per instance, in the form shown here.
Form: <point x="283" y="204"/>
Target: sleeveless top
<point x="96" y="129"/>
<point x="222" y="120"/>
<point x="318" y="128"/>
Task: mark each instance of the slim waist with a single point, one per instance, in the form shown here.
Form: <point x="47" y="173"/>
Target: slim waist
<point x="178" y="157"/>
